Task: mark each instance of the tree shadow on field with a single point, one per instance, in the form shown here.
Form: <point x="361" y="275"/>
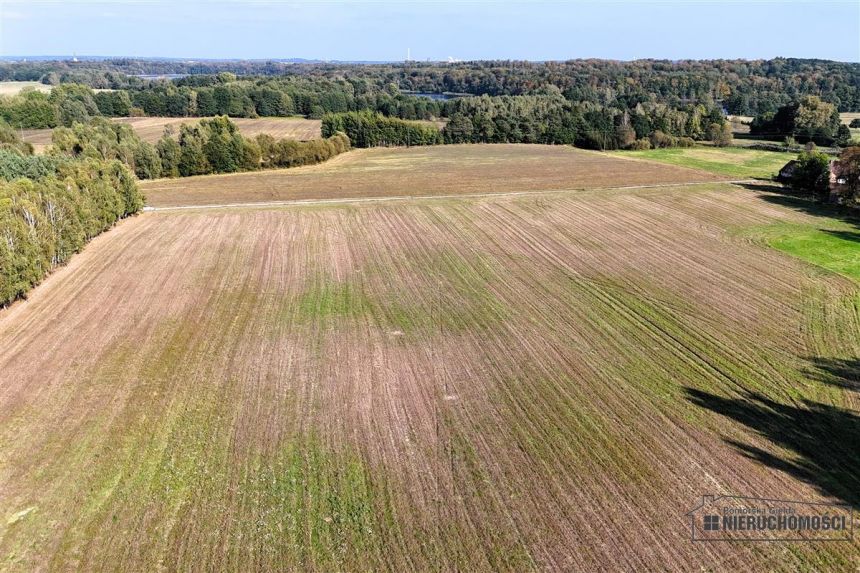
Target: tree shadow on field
<point x="838" y="372"/>
<point x="825" y="439"/>
<point x="786" y="197"/>
<point x="844" y="235"/>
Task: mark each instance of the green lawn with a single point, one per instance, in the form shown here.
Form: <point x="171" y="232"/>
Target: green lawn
<point x="738" y="162"/>
<point x="831" y="244"/>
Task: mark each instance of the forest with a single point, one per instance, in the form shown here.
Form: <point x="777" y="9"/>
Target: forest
<point x="594" y="104"/>
<point x="548" y="117"/>
<point x="741" y="87"/>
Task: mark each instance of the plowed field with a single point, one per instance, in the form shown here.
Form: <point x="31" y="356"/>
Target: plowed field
<point x="537" y="382"/>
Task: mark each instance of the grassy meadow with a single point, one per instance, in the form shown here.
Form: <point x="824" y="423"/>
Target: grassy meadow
<point x="831" y="241"/>
<point x="734" y="162"/>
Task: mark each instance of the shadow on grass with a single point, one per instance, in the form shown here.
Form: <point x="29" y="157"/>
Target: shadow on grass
<point x="777" y="194"/>
<point x="825" y="439"/>
<point x="844" y="235"/>
<point x="841" y="373"/>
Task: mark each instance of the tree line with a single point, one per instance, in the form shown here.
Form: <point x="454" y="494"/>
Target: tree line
<point x="50" y="208"/>
<point x="549" y="119"/>
<point x="553" y="119"/>
<point x="52" y="204"/>
<point x="209" y="96"/>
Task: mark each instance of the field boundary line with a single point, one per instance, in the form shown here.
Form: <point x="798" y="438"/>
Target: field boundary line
<point x="346" y="200"/>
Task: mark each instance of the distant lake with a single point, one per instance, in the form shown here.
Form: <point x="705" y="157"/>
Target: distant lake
<point x="435" y="96"/>
<point x="159" y="76"/>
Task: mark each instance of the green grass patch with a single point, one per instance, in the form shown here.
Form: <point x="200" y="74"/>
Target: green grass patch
<point x="738" y="162"/>
<point x="833" y="245"/>
<point x="328" y="299"/>
<point x="458" y="296"/>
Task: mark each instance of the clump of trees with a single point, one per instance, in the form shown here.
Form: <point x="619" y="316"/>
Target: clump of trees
<point x="368" y="129"/>
<point x="550" y="118"/>
<point x="107" y="140"/>
<point x="820" y="175"/>
<point x="721" y="134"/>
<point x="29" y="109"/>
<point x="15" y="165"/>
<point x="812" y="174"/>
<point x="50" y="213"/>
<point x="807" y="119"/>
<point x="208" y="146"/>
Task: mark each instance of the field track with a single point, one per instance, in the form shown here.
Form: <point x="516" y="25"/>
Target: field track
<point x="545" y="381"/>
<point x="424" y="171"/>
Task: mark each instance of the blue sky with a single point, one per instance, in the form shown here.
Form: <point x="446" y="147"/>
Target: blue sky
<point x="433" y="30"/>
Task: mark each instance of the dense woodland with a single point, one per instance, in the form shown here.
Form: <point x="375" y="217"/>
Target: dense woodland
<point x="742" y="87"/>
<point x="589" y="103"/>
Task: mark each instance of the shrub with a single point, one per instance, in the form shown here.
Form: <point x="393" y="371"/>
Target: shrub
<point x="640" y="144"/>
<point x="661" y="140"/>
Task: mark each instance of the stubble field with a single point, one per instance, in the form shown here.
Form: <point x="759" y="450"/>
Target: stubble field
<point x="546" y="381"/>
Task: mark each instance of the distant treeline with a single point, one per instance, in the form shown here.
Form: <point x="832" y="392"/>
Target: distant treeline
<point x="742" y="87"/>
<point x="548" y="117"/>
<point x="209" y="96"/>
<point x="50" y="207"/>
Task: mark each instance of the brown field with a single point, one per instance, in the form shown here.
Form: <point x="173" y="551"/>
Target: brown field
<point x="740" y="123"/>
<point x="847" y="116"/>
<point x="14" y="88"/>
<point x="424" y="171"/>
<point x="151" y="128"/>
<point x="523" y="382"/>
